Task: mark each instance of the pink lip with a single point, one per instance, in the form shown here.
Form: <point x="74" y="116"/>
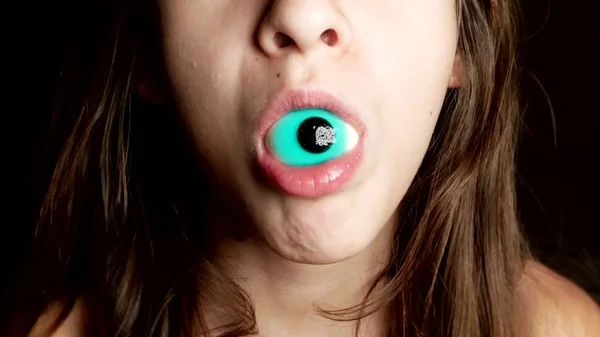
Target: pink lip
<point x="314" y="181"/>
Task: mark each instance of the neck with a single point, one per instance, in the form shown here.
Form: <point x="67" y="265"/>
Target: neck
<point x="287" y="295"/>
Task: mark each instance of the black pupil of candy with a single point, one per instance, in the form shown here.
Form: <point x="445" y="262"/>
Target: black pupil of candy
<point x="307" y="135"/>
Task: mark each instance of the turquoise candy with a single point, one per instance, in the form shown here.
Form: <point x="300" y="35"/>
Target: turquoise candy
<point x="333" y="135"/>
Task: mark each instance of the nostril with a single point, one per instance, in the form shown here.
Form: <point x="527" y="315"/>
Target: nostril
<point x="330" y="37"/>
<point x="283" y="40"/>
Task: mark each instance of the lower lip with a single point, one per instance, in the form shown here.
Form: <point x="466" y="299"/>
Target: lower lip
<point x="315" y="181"/>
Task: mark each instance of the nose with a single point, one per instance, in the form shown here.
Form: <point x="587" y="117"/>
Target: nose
<point x="303" y="26"/>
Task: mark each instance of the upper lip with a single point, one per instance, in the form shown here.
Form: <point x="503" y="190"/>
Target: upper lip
<point x="289" y="100"/>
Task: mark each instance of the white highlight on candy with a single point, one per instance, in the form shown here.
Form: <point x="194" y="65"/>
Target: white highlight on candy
<point x="325" y="135"/>
<point x="352" y="138"/>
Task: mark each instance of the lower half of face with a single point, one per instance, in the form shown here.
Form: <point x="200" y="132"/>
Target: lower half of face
<point x="316" y="113"/>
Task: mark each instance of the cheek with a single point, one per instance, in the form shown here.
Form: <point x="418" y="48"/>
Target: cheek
<point x="415" y="61"/>
<point x="203" y="69"/>
<point x="411" y="54"/>
<point x="410" y="60"/>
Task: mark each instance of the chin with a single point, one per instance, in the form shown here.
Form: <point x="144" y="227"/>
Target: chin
<point x="318" y="232"/>
<point x="324" y="253"/>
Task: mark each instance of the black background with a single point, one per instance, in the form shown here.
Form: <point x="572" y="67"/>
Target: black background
<point x="558" y="157"/>
<point x="559" y="153"/>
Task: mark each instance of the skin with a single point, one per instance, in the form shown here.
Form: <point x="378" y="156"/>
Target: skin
<point x="552" y="307"/>
<point x="306" y="251"/>
<point x="224" y="63"/>
<point x="557" y="307"/>
<point x="221" y="85"/>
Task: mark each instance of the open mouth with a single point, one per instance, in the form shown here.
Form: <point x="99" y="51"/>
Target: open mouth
<point x="309" y="144"/>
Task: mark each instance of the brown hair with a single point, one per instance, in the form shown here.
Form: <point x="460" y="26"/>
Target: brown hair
<point x="114" y="223"/>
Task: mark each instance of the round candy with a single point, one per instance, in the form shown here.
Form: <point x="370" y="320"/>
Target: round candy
<point x="310" y="137"/>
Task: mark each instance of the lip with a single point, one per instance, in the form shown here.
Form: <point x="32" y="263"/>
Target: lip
<point x="315" y="181"/>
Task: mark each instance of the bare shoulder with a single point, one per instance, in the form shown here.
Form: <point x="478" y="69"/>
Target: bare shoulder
<point x="73" y="325"/>
<point x="556" y="307"/>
